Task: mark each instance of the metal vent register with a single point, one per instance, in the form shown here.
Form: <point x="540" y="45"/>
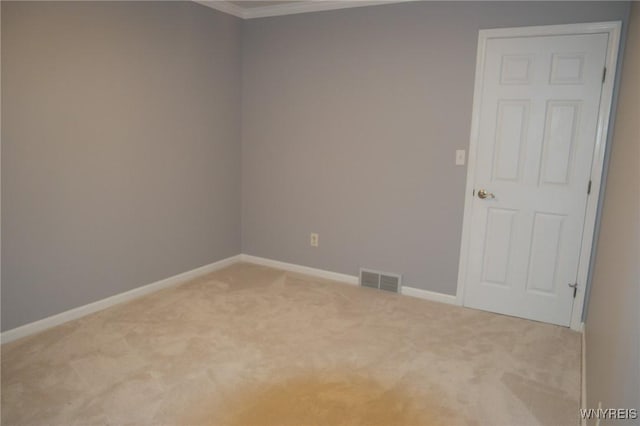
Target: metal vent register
<point x="380" y="280"/>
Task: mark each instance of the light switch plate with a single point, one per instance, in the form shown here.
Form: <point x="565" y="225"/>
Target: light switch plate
<point x="460" y="157"/>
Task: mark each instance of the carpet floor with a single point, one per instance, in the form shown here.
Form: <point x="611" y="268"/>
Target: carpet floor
<point x="249" y="345"/>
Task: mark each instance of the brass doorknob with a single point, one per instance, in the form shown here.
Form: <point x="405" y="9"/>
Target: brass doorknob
<point x="484" y="194"/>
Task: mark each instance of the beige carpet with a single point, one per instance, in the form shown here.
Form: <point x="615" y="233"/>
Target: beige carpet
<point x="249" y="345"/>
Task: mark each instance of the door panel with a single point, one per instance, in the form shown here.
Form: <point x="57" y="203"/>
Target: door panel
<point x="559" y="141"/>
<point x="511" y="130"/>
<point x="497" y="246"/>
<point x="539" y="106"/>
<point x="545" y="248"/>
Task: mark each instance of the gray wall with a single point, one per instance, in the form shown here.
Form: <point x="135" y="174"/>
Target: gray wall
<point x="121" y="160"/>
<point x="613" y="324"/>
<point x="351" y="119"/>
<point x="120" y="148"/>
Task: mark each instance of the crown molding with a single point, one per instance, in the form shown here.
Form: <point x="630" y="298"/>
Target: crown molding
<point x="313" y="6"/>
<point x="223" y="6"/>
<point x="291" y="8"/>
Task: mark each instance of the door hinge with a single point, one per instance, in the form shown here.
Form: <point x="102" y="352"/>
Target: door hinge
<point x="589" y="188"/>
<point x="604" y="74"/>
<point x="574" y="286"/>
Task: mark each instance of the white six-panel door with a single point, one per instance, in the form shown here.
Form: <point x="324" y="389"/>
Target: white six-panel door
<point x="536" y="131"/>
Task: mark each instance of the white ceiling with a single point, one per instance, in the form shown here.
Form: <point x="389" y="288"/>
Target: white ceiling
<point x="246" y="9"/>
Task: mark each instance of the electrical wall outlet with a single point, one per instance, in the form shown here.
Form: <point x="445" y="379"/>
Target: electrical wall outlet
<point x="314" y="239"/>
<point x="460" y="157"/>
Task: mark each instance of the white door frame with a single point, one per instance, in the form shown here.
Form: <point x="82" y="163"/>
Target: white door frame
<point x="606" y="99"/>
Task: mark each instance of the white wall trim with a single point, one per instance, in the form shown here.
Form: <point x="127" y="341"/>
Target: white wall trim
<point x="291" y="267"/>
<point x="583" y="374"/>
<point x="597" y="168"/>
<point x="344" y="278"/>
<point x="223" y="6"/>
<point x="54" y="320"/>
<point x="291" y="8"/>
<point x="0" y="173"/>
<point x="613" y="29"/>
<point x="81" y="311"/>
<point x="313" y="6"/>
<point x="429" y="295"/>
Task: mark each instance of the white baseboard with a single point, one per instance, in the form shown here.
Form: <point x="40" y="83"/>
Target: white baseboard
<point x="291" y="267"/>
<point x="583" y="374"/>
<point x="348" y="279"/>
<point x="429" y="295"/>
<point x="52" y="321"/>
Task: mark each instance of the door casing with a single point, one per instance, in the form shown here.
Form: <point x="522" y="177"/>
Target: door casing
<point x="612" y="28"/>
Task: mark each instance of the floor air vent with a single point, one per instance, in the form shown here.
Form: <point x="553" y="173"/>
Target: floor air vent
<point x="380" y="280"/>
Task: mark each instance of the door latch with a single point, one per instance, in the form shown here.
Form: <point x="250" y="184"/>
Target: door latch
<point x="574" y="286"/>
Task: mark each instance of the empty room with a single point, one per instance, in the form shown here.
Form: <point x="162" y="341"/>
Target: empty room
<point x="315" y="213"/>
